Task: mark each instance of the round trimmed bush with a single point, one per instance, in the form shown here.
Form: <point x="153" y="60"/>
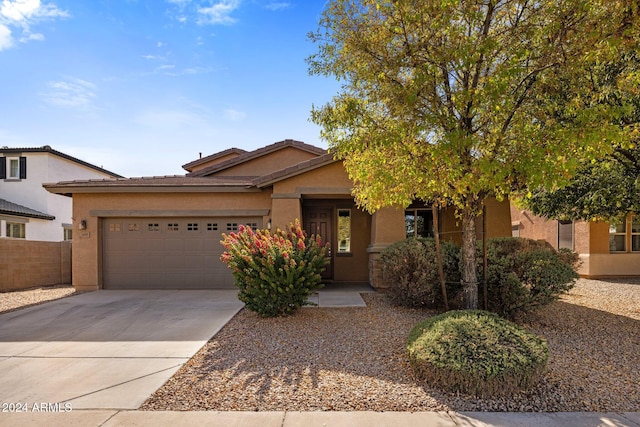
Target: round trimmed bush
<point x="525" y="274"/>
<point x="410" y="268"/>
<point x="476" y="352"/>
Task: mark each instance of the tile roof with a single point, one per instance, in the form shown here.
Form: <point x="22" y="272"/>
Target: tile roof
<point x="156" y="182"/>
<point x="258" y="153"/>
<point x="191" y="165"/>
<point x="10" y="208"/>
<point x="48" y="149"/>
<point x="168" y="180"/>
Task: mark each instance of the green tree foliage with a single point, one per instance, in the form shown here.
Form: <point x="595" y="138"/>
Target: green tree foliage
<point x="441" y="99"/>
<point x="608" y="189"/>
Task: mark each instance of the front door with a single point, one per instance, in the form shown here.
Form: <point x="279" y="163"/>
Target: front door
<point x="318" y="221"/>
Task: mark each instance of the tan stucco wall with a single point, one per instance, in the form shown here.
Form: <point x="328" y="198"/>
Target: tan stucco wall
<point x="87" y="243"/>
<point x="330" y="179"/>
<point x="591" y="242"/>
<point x="535" y="227"/>
<point x="599" y="238"/>
<point x="268" y="163"/>
<point x="29" y="263"/>
<point x="498" y="222"/>
<point x="285" y="211"/>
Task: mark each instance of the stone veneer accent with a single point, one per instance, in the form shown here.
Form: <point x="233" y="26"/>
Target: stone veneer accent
<point x="375" y="267"/>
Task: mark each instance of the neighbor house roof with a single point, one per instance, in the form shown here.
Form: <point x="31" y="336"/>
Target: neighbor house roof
<point x="48" y="149"/>
<point x="258" y="153"/>
<point x="189" y="166"/>
<point x="14" y="209"/>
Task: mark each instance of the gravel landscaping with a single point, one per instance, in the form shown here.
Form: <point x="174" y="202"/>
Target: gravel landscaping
<point x="14" y="300"/>
<point x="354" y="359"/>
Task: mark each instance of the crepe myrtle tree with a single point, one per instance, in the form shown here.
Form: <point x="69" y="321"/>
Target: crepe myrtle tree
<point x="440" y="99"/>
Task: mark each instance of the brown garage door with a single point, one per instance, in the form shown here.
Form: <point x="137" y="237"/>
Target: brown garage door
<point x="167" y="253"/>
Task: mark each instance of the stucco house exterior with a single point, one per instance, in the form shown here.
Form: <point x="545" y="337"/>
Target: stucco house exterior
<point x="606" y="250"/>
<point x="28" y="211"/>
<point x="165" y="232"/>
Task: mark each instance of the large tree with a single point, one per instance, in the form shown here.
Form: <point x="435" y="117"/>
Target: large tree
<point x="439" y="98"/>
<point x="608" y="189"/>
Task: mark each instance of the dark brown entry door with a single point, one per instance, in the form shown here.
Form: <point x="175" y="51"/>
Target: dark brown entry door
<point x="318" y="221"/>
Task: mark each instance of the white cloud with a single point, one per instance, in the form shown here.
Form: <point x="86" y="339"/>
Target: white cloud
<point x="73" y="93"/>
<point x="6" y="41"/>
<point x="30" y="36"/>
<point x="154" y="57"/>
<point x="22" y="15"/>
<point x="234" y="115"/>
<point x="19" y="10"/>
<point x="218" y="13"/>
<point x="277" y="6"/>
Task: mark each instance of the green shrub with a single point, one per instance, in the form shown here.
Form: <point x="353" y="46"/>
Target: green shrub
<point x="476" y="352"/>
<point x="410" y="268"/>
<point x="276" y="272"/>
<point x="523" y="274"/>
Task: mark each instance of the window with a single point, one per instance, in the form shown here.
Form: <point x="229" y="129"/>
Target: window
<point x="192" y="226"/>
<point x="515" y="230"/>
<point x="153" y="226"/>
<point x="173" y="226"/>
<point x="344" y="230"/>
<point x="232" y="226"/>
<point x="134" y="227"/>
<point x="565" y="235"/>
<point x="68" y="233"/>
<point x="212" y="226"/>
<point x="13" y="167"/>
<point x="635" y="234"/>
<point x="16" y="230"/>
<point x="418" y="222"/>
<point x="618" y="236"/>
<point x="114" y="228"/>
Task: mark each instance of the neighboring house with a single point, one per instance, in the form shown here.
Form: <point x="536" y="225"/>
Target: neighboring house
<point x="165" y="232"/>
<point x="27" y="210"/>
<point x="606" y="250"/>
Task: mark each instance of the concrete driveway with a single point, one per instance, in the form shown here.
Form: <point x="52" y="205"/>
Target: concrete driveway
<point x="105" y="349"/>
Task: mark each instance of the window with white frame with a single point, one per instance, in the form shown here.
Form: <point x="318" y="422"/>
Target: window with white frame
<point x="68" y="232"/>
<point x="16" y="230"/>
<point x="635" y="233"/>
<point x="618" y="236"/>
<point x="14" y="168"/>
<point x="624" y="235"/>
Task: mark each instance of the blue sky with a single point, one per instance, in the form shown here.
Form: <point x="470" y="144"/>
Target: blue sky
<point x="141" y="87"/>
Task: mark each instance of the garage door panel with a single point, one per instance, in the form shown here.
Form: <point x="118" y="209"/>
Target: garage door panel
<point x="173" y="253"/>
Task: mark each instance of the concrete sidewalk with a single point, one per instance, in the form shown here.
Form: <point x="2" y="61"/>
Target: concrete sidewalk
<point x="321" y="419"/>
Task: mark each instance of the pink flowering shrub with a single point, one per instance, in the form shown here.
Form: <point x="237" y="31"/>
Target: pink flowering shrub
<point x="276" y="272"/>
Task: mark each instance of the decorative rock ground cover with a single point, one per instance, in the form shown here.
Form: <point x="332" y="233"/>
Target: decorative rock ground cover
<point x="354" y="359"/>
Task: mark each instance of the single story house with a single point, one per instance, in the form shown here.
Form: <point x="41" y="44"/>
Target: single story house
<point x="165" y="232"/>
<point x="606" y="250"/>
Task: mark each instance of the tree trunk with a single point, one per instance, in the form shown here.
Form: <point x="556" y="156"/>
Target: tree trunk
<point x="469" y="277"/>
